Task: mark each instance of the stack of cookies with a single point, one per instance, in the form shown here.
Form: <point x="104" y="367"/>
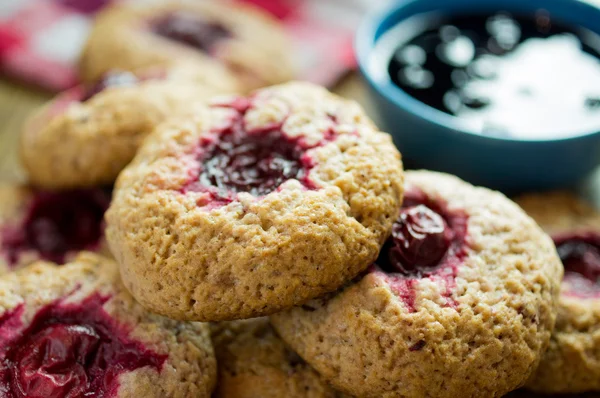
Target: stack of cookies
<point x="180" y="237"/>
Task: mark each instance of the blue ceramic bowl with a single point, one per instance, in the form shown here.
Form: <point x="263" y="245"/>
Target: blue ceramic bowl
<point x="429" y="138"/>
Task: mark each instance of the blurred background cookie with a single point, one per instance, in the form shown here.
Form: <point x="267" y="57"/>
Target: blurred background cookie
<point x="75" y="331"/>
<point x="223" y="39"/>
<point x="49" y="225"/>
<point x="572" y="362"/>
<point x="253" y="362"/>
<point x="87" y="135"/>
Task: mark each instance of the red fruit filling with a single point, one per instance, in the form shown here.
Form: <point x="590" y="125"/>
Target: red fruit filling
<point x="68" y="351"/>
<point x="235" y="160"/>
<point x="580" y="255"/>
<point x="428" y="241"/>
<point x="420" y="238"/>
<point x="57" y="223"/>
<point x="191" y="30"/>
<point x="110" y="79"/>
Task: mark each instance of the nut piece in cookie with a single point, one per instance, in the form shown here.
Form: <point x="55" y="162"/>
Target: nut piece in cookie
<point x="225" y="42"/>
<point x="254" y="362"/>
<point x="254" y="205"/>
<point x="572" y="362"/>
<point x="87" y="135"/>
<point x="49" y="225"/>
<point x="460" y="303"/>
<point x="75" y="331"/>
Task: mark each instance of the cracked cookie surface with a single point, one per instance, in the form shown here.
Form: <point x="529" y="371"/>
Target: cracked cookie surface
<point x="461" y="301"/>
<point x="75" y="331"/>
<point x="254" y="205"/>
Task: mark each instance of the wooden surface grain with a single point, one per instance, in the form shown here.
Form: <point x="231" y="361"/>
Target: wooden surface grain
<point x="16" y="103"/>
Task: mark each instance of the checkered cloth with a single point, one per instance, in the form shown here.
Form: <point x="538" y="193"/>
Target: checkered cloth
<point x="40" y="40"/>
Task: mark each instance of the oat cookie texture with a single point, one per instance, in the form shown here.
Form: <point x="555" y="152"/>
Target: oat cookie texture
<point x="76" y="330"/>
<point x="253" y="205"/>
<point x="460" y="303"/>
<point x="87" y="135"/>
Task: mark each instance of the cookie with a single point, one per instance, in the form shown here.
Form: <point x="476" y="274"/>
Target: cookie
<point x="74" y="330"/>
<point x="523" y="393"/>
<point x="460" y="303"/>
<point x="87" y="135"/>
<point x="49" y="225"/>
<point x="253" y="362"/>
<point x="254" y="205"/>
<point x="572" y="362"/>
<point x="228" y="41"/>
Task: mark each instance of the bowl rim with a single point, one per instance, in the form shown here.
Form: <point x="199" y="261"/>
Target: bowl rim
<point x="364" y="42"/>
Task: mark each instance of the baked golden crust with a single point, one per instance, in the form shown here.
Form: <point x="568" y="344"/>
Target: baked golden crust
<point x="256" y="56"/>
<point x="480" y="336"/>
<point x="253" y="362"/>
<point x="68" y="143"/>
<point x="189" y="369"/>
<point x="572" y="362"/>
<point x="184" y="258"/>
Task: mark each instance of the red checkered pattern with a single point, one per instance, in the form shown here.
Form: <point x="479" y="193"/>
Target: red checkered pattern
<point x="40" y="40"/>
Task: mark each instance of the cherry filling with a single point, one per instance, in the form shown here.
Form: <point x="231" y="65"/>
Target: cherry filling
<point x="69" y="350"/>
<point x="428" y="241"/>
<point x="257" y="162"/>
<point x="110" y="79"/>
<point x="57" y="223"/>
<point x="191" y="30"/>
<point x="580" y="255"/>
<point x="420" y="238"/>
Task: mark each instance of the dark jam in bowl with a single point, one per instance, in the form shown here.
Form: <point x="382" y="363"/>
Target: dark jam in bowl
<point x="526" y="76"/>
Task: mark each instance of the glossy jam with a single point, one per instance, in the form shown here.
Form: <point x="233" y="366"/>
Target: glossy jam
<point x="256" y="164"/>
<point x="525" y="76"/>
<point x="69" y="351"/>
<point x="420" y="238"/>
<point x="57" y="223"/>
<point x="111" y="79"/>
<point x="235" y="160"/>
<point x="580" y="255"/>
<point x="428" y="241"/>
<point x="191" y="30"/>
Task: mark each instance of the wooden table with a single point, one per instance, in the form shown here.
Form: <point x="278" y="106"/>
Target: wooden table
<point x="17" y="101"/>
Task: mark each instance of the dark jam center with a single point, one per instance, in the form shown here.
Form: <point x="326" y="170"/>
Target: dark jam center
<point x="428" y="241"/>
<point x="426" y="238"/>
<point x="52" y="364"/>
<point x="111" y="79"/>
<point x="580" y="254"/>
<point x="254" y="163"/>
<point x="420" y="238"/>
<point x="191" y="30"/>
<point x="58" y="223"/>
<point x="485" y="67"/>
<point x="70" y="351"/>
